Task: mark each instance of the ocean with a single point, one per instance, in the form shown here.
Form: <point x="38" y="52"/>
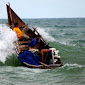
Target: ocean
<point x="65" y="34"/>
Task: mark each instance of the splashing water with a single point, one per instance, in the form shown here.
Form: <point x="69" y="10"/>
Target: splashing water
<point x="45" y="35"/>
<point x="48" y="37"/>
<point x="7" y="37"/>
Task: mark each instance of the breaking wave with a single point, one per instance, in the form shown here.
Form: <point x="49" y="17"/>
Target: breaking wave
<point x="45" y="35"/>
<point x="7" y="38"/>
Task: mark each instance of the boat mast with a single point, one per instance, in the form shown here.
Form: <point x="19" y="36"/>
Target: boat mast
<point x="10" y="16"/>
<point x="13" y="18"/>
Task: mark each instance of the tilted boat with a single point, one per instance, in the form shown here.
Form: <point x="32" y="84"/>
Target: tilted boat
<point x="22" y="45"/>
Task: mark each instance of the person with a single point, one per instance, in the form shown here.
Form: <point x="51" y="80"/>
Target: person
<point x="43" y="52"/>
<point x="25" y="31"/>
<point x="34" y="42"/>
<point x="21" y="34"/>
<point x="18" y="32"/>
<point x="51" y="53"/>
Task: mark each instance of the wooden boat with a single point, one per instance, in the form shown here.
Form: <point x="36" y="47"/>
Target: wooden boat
<point x="23" y="45"/>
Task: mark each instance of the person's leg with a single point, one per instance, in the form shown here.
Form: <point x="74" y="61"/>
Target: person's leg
<point x="42" y="53"/>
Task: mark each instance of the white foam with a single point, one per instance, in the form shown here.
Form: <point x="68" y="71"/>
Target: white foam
<point x="7" y="47"/>
<point x="68" y="43"/>
<point x="71" y="66"/>
<point x="44" y="32"/>
<point x="45" y="35"/>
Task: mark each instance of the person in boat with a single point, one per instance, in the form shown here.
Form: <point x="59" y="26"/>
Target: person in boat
<point x="48" y="54"/>
<point x="17" y="31"/>
<point x="34" y="42"/>
<point x="20" y="34"/>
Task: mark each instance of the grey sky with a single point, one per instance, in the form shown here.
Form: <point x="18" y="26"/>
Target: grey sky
<point x="44" y="8"/>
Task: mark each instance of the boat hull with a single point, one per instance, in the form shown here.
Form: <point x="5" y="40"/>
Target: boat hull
<point x="44" y="66"/>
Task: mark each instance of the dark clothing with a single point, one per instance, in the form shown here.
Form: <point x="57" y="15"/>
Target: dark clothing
<point x="48" y="57"/>
<point x="33" y="43"/>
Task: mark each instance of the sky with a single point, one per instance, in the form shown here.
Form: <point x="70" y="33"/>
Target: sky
<point x="44" y="8"/>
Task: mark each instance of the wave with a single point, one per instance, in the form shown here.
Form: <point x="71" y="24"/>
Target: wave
<point x="7" y="38"/>
<point x="64" y="26"/>
<point x="45" y="35"/>
<point x="82" y="41"/>
<point x="68" y="26"/>
<point x="72" y="66"/>
<point x="44" y="32"/>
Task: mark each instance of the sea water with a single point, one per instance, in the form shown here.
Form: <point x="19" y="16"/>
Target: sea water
<point x="65" y="34"/>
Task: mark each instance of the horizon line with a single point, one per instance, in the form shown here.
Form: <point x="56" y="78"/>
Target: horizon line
<point x="47" y="18"/>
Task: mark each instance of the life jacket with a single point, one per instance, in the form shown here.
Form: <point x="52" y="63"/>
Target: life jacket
<point x="18" y="32"/>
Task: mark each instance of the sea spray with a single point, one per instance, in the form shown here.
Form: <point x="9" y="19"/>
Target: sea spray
<point x="7" y="38"/>
<point x="45" y="35"/>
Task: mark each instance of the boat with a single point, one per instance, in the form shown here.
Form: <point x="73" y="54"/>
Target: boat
<point x="22" y="45"/>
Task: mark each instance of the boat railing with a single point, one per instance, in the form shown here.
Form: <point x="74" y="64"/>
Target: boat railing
<point x="22" y="45"/>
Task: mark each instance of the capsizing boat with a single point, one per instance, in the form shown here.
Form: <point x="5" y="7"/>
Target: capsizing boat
<point x="22" y="45"/>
